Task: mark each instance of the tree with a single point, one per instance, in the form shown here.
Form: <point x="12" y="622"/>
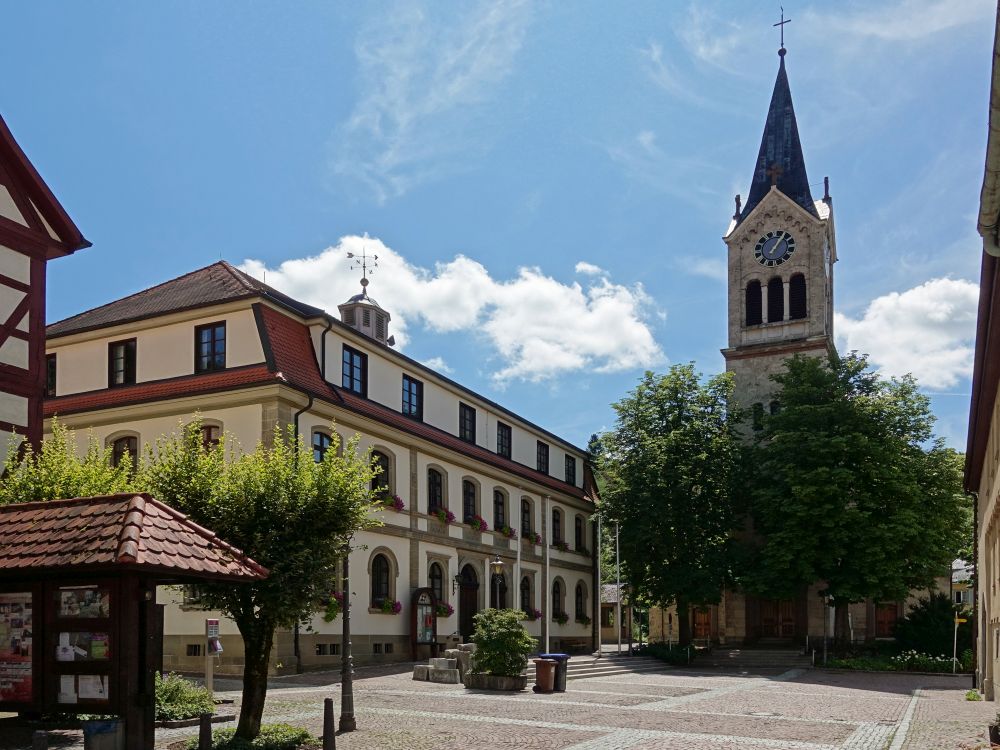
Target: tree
<point x="276" y="504"/>
<point x="850" y="488"/>
<point x="669" y="466"/>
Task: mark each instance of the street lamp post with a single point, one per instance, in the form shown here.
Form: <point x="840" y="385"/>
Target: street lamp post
<point x="496" y="566"/>
<point x="347" y="721"/>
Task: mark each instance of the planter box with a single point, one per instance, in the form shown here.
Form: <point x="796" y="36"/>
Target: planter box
<point x="478" y="681"/>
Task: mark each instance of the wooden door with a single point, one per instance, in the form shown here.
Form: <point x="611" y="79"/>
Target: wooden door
<point x="468" y="601"/>
<point x="702" y="623"/>
<point x="786" y="618"/>
<point x="885" y="619"/>
<point x="777" y="618"/>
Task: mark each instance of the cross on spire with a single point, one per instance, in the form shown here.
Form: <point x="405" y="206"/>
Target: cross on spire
<point x="774" y="172"/>
<point x="781" y="25"/>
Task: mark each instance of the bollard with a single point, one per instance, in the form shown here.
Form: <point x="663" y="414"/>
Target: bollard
<point x="329" y="728"/>
<point x="40" y="740"/>
<point x="205" y="732"/>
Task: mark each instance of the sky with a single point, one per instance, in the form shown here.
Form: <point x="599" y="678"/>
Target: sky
<point x="545" y="184"/>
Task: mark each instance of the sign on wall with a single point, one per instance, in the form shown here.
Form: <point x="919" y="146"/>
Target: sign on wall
<point x="16" y="644"/>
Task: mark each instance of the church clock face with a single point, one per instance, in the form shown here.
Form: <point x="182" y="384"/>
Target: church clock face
<point x="774" y="248"/>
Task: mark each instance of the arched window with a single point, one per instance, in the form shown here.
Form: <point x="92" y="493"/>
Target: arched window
<point x="556" y="598"/>
<point x="435" y="491"/>
<point x="435" y="577"/>
<point x="380" y="580"/>
<point x="525" y="517"/>
<point x="797" y="297"/>
<point x="556" y="525"/>
<point x="578" y="533"/>
<point x="499" y="509"/>
<point x="468" y="500"/>
<point x="758" y="416"/>
<point x="321" y="444"/>
<point x="125" y="449"/>
<point x="498" y="591"/>
<point x="775" y="407"/>
<point x="579" y="604"/>
<point x="526" y="594"/>
<point x="775" y="300"/>
<point x="380" y="482"/>
<point x="754" y="308"/>
<point x="210" y="436"/>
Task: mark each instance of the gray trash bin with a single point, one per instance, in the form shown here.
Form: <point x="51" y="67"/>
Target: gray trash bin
<point x="561" y="667"/>
<point x="104" y="735"/>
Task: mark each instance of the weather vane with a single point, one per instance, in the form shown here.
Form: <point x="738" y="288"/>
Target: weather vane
<point x="362" y="261"/>
<point x="781" y="25"/>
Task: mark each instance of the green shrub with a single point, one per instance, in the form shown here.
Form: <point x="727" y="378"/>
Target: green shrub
<point x="177" y="698"/>
<point x="672" y="654"/>
<point x="271" y="737"/>
<point x="930" y="627"/>
<point x="502" y="643"/>
<point x="973" y="695"/>
<point x="869" y="663"/>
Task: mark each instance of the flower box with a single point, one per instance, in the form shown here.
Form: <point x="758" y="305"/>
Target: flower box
<point x="390" y="607"/>
<point x="444" y="610"/>
<point x="444" y="515"/>
<point x="562" y="618"/>
<point x="479" y="681"/>
<point x="477" y="523"/>
<point x="506" y="531"/>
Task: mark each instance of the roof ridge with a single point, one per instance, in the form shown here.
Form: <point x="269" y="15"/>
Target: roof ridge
<point x="128" y="542"/>
<point x="136" y="294"/>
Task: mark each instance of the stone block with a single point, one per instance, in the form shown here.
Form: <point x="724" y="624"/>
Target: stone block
<point x="445" y="663"/>
<point x="467" y="647"/>
<point x="452" y="653"/>
<point x="447" y="676"/>
<point x="420" y="672"/>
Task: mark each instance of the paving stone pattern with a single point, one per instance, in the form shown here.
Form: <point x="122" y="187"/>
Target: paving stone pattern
<point x="670" y="709"/>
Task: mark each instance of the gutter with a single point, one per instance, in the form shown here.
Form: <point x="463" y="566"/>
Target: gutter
<point x="989" y="198"/>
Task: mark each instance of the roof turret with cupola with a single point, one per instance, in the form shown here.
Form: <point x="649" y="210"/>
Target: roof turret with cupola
<point x="361" y="312"/>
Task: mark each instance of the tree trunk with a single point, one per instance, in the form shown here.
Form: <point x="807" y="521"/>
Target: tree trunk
<point x="841" y="626"/>
<point x="683" y="622"/>
<point x="257" y="641"/>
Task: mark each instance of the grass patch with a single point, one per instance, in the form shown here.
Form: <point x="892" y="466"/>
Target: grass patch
<point x="271" y="737"/>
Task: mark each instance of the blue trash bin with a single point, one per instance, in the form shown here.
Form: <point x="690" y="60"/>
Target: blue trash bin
<point x="104" y="735"/>
<point x="561" y="668"/>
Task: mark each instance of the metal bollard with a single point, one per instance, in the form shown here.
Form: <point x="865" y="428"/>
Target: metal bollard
<point x="40" y="740"/>
<point x="329" y="728"/>
<point x="205" y="732"/>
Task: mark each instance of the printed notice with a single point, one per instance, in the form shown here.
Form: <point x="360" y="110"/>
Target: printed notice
<point x="16" y="647"/>
<point x="93" y="687"/>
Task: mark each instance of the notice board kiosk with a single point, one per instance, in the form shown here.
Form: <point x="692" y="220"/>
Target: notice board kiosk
<point x="80" y="630"/>
<point x="423" y="623"/>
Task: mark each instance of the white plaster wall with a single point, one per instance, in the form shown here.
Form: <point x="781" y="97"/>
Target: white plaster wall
<point x="15" y="265"/>
<point x="163" y="351"/>
<point x="14" y="352"/>
<point x="13" y="409"/>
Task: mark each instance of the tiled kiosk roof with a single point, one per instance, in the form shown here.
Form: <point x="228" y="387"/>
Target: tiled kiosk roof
<point x="127" y="532"/>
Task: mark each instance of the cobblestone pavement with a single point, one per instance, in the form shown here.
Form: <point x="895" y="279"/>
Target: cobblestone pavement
<point x="672" y="709"/>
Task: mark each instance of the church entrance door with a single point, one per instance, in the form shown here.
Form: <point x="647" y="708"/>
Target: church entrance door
<point x="468" y="601"/>
<point x="777" y="618"/>
<point x="702" y="623"/>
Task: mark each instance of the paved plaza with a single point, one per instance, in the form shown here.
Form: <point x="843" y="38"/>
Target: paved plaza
<point x="686" y="710"/>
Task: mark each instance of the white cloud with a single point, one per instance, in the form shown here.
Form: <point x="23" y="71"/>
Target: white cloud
<point x="906" y="20"/>
<point x="539" y="327"/>
<point x="713" y="39"/>
<point x="438" y="364"/>
<point x="424" y="83"/>
<point x="927" y="331"/>
<point x="589" y="269"/>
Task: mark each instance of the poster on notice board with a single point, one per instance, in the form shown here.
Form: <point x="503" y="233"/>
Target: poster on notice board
<point x="16" y="647"/>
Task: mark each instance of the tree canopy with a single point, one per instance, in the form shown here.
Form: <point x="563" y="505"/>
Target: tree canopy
<point x="849" y="487"/>
<point x="669" y="467"/>
<point x="275" y="503"/>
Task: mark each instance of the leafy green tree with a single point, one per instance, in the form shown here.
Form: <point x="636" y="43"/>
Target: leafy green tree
<point x="929" y="627"/>
<point x="502" y="643"/>
<point x="276" y="504"/>
<point x="850" y="488"/>
<point x="669" y="468"/>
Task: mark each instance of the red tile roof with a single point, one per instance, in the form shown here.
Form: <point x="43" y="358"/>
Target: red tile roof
<point x="209" y="382"/>
<point x="116" y="532"/>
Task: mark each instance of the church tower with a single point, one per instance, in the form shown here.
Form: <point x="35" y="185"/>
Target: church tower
<point x="781" y="248"/>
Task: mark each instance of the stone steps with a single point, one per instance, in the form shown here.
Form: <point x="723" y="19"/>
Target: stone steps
<point x="588" y="666"/>
<point x="754" y="658"/>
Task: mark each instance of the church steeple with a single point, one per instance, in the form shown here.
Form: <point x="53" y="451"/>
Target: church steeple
<point x="779" y="161"/>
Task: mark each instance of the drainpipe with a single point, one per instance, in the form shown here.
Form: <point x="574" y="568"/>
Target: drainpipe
<point x="322" y="348"/>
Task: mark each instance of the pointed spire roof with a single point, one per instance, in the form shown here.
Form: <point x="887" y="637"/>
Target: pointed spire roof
<point x="780" y="161"/>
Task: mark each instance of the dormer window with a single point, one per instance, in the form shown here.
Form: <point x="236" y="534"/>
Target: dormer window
<point x="467" y="423"/>
<point x="210" y="347"/>
<point x="121" y="363"/>
<point x="355" y="371"/>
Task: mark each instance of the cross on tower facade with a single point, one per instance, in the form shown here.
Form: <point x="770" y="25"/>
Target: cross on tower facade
<point x="774" y="172"/>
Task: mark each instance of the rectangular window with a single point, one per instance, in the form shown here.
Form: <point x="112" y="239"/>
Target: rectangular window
<point x="467" y="423"/>
<point x="210" y="347"/>
<point x="542" y="457"/>
<point x="570" y="470"/>
<point x="388" y="648"/>
<point x="355" y="371"/>
<point x="194" y="649"/>
<point x="50" y="375"/>
<point x="376" y="647"/>
<point x="322" y="649"/>
<point x="413" y="398"/>
<point x="121" y="363"/>
<point x="503" y="439"/>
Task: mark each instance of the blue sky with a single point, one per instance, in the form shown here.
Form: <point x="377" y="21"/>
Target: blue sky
<point x="547" y="183"/>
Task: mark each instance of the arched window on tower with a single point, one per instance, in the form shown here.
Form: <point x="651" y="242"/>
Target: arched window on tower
<point x="797" y="297"/>
<point x="754" y="310"/>
<point x="775" y="300"/>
